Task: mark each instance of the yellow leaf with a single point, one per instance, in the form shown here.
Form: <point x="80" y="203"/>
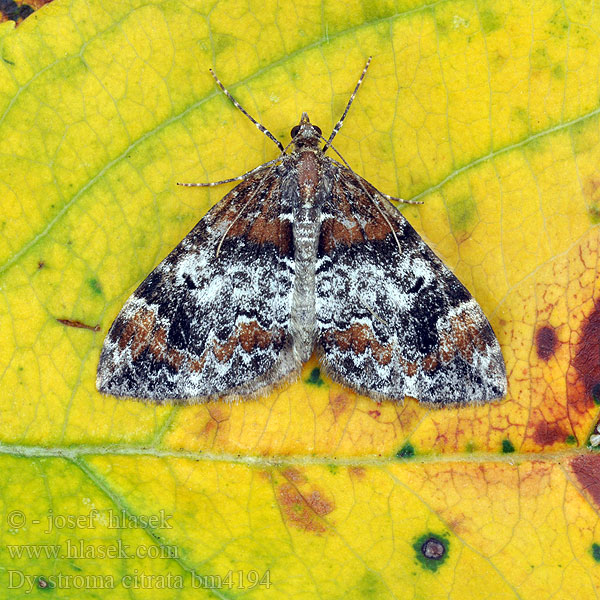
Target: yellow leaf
<point x="488" y="112"/>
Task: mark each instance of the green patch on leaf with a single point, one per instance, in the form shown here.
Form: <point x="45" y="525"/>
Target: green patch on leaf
<point x="540" y="59"/>
<point x="462" y="212"/>
<point x="95" y="286"/>
<point x="370" y="586"/>
<point x="596" y="552"/>
<point x="594" y="213"/>
<point x="507" y="447"/>
<point x="407" y="451"/>
<point x="221" y="42"/>
<point x="490" y="21"/>
<point x="558" y="25"/>
<point x="558" y="71"/>
<point x="315" y="377"/>
<point x="376" y="10"/>
<point x="520" y="114"/>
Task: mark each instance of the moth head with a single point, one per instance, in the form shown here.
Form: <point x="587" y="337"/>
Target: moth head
<point x="305" y="133"/>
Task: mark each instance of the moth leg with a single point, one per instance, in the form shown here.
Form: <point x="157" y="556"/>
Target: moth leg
<point x="402" y="200"/>
<point x="386" y="196"/>
<point x="238" y="178"/>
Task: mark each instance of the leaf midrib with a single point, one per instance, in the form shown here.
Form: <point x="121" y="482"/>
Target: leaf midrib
<point x="77" y="452"/>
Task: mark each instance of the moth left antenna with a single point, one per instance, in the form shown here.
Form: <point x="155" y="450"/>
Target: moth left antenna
<point x="339" y="124"/>
<point x="239" y="106"/>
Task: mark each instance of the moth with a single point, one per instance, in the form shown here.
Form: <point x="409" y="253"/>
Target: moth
<point x="302" y="255"/>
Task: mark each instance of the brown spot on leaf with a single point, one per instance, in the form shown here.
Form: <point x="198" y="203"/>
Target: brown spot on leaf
<point x="587" y="470"/>
<point x="358" y="472"/>
<point x="546" y="342"/>
<point x="547" y="434"/>
<point x="587" y="353"/>
<point x="78" y="324"/>
<point x="338" y="404"/>
<point x="211" y="428"/>
<point x="266" y="475"/>
<point x="374" y="414"/>
<point x="294" y="475"/>
<point x="303" y="505"/>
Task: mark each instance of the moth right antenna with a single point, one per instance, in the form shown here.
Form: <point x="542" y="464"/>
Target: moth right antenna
<point x="339" y="124"/>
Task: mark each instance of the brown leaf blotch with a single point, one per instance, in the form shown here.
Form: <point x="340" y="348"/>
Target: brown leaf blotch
<point x="546" y="342"/>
